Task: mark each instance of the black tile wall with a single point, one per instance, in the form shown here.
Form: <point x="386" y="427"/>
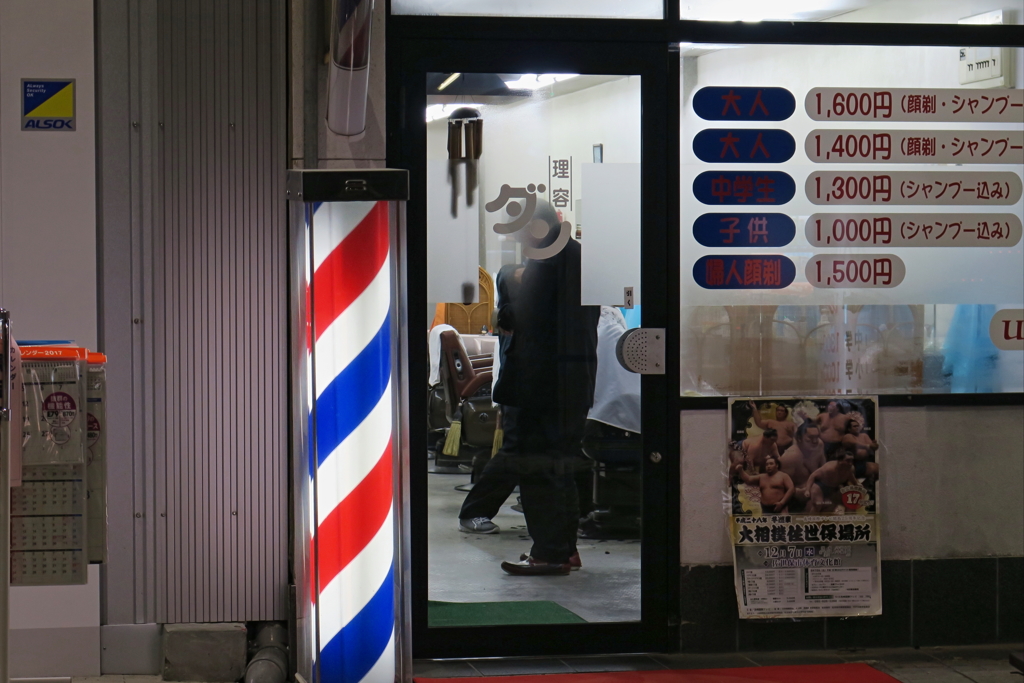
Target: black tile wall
<point x="782" y="634"/>
<point x="954" y="601"/>
<point x="1011" y="599"/>
<point x="924" y="603"/>
<point x="892" y="628"/>
<point x="707" y="609"/>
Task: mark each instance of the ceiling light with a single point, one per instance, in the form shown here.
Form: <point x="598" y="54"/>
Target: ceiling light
<point x="535" y="81"/>
<point x="441" y="111"/>
<point x="448" y="81"/>
<point x="683" y="47"/>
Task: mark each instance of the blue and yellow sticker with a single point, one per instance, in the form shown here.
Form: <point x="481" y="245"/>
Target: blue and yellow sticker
<point x="48" y="104"/>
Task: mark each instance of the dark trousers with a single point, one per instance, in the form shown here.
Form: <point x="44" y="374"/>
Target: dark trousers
<point x="499" y="476"/>
<point x="492" y="488"/>
<point x="548" y="462"/>
<point x="545" y="459"/>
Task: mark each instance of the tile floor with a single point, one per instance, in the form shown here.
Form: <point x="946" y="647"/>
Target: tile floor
<point x="466" y="567"/>
<point x="977" y="664"/>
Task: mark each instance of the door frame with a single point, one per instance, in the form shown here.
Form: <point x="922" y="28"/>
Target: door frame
<point x="409" y="59"/>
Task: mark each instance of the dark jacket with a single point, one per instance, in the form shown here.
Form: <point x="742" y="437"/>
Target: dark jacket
<point x="553" y="354"/>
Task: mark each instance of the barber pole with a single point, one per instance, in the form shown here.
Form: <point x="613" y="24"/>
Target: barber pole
<point x="352" y="548"/>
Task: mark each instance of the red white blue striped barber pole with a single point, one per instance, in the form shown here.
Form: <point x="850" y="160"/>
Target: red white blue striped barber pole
<point x="352" y="551"/>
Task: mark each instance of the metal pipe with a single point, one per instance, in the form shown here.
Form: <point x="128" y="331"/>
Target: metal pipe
<point x="270" y="663"/>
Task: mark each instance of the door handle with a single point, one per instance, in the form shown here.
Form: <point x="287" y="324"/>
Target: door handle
<point x="642" y="350"/>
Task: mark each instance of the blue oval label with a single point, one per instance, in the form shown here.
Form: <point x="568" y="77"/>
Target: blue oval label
<point x="744" y="146"/>
<point x="744" y="230"/>
<point x="743" y="104"/>
<point x="752" y="188"/>
<point x="744" y="272"/>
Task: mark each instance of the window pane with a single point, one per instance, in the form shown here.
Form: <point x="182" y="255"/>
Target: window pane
<point x="842" y="227"/>
<point x="873" y="11"/>
<point x="636" y="9"/>
<point x="533" y="182"/>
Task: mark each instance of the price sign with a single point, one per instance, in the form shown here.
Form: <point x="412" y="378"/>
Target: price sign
<point x="912" y="187"/>
<point x="860" y="271"/>
<point x="913" y="229"/>
<point x="914" y="104"/>
<point x="915" y="146"/>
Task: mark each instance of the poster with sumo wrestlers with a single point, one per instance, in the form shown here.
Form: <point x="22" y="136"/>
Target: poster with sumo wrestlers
<point x="802" y="475"/>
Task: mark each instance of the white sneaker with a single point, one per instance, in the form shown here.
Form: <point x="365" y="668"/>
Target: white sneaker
<point x="478" y="525"/>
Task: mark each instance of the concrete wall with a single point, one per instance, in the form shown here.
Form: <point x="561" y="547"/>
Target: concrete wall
<point x="951" y="486"/>
<point x="48" y="274"/>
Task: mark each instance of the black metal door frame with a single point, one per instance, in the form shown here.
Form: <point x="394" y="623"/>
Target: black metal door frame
<point x="409" y="60"/>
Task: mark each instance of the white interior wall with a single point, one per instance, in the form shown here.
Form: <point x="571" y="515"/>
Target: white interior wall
<point x="952" y="483"/>
<point x="48" y="275"/>
<point x="519" y="138"/>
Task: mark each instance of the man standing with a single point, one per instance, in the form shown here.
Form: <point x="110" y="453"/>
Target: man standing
<point x="554" y="353"/>
<point x="499" y="477"/>
<point x="776" y="486"/>
<point x="805" y="456"/>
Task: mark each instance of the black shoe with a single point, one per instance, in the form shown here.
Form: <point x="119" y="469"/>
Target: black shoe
<point x="575" y="564"/>
<point x="532" y="567"/>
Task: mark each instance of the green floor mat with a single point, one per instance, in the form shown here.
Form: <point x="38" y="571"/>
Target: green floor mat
<point x="440" y="614"/>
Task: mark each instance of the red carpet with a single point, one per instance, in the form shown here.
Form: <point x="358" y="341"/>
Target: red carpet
<point x="811" y="673"/>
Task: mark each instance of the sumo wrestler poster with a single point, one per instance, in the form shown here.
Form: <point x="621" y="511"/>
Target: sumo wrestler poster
<point x="802" y="475"/>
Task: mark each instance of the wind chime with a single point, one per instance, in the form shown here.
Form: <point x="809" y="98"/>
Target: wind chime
<point x="465" y="142"/>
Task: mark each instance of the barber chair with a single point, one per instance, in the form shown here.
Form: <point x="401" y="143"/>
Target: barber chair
<point x="617" y="502"/>
<point x="438" y="412"/>
<point x="466" y="387"/>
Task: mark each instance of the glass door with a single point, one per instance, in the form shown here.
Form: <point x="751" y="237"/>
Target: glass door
<point x="539" y="460"/>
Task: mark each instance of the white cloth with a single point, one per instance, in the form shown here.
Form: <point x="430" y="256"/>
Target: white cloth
<point x="435" y="352"/>
<point x="617" y="390"/>
<point x="495" y="365"/>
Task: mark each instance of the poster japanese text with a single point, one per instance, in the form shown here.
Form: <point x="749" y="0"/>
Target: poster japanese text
<point x="802" y="474"/>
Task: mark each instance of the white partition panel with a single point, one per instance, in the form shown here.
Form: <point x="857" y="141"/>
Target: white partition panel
<point x="610" y="233"/>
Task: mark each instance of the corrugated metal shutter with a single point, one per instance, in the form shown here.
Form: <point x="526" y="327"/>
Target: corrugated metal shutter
<point x="216" y="351"/>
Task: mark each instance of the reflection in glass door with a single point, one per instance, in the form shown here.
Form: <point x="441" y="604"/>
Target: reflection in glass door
<point x="533" y="273"/>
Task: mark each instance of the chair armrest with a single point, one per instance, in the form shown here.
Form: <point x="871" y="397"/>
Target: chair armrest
<point x="473" y="386"/>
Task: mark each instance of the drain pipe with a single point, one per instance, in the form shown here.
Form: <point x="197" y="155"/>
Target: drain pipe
<point x="270" y="663"/>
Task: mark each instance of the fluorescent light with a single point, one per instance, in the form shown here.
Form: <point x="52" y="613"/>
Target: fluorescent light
<point x="448" y="81"/>
<point x="535" y="81"/>
<point x="441" y="111"/>
<point x="683" y="47"/>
